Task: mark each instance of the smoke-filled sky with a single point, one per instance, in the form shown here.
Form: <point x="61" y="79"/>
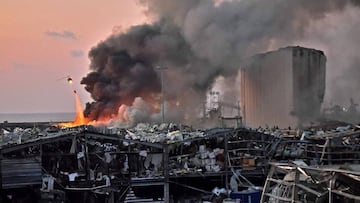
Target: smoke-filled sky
<point x="197" y="40"/>
<point x="42" y="41"/>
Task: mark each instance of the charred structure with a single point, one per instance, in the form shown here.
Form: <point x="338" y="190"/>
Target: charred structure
<point x="86" y="163"/>
<point x="163" y="162"/>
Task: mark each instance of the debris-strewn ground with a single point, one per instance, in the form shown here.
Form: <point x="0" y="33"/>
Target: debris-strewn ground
<point x="110" y="161"/>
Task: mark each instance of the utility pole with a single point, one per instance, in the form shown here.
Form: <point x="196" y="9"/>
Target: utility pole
<point x="161" y="69"/>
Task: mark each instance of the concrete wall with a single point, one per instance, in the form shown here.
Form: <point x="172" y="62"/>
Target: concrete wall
<point x="282" y="88"/>
<point x="309" y="68"/>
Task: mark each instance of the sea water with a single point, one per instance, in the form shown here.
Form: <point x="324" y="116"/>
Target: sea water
<point x="36" y="117"/>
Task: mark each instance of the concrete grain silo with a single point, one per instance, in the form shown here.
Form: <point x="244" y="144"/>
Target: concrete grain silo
<point x="283" y="88"/>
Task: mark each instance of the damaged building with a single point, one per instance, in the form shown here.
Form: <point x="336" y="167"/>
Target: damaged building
<point x="166" y="162"/>
<point x="149" y="161"/>
<point x="297" y="182"/>
<point x="284" y="87"/>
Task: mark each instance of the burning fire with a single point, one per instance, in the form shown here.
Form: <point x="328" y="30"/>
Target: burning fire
<point x="124" y="115"/>
<point x="79" y="117"/>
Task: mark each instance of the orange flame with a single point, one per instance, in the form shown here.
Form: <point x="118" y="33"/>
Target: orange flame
<point x="79" y="117"/>
<point x="152" y="101"/>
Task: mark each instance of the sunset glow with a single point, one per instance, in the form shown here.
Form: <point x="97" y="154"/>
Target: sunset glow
<point x="44" y="40"/>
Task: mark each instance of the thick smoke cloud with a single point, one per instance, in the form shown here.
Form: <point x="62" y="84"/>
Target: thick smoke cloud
<point x="336" y="35"/>
<point x="124" y="67"/>
<point x="238" y="29"/>
<point x="197" y="40"/>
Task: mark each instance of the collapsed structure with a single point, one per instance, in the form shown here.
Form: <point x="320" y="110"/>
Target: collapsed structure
<point x="302" y="183"/>
<point x="163" y="162"/>
<point x="100" y="164"/>
<point x="283" y="88"/>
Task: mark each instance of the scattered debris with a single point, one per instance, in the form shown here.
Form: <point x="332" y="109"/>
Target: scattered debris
<point x="109" y="161"/>
<point x="302" y="183"/>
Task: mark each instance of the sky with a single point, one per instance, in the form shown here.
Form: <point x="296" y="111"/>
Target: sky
<point x="44" y="41"/>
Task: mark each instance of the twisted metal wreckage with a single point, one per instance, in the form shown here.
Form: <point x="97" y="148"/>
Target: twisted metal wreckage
<point x="164" y="162"/>
<point x="87" y="162"/>
<point x="324" y="167"/>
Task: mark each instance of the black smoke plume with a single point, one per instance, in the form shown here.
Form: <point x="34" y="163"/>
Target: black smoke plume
<point x="197" y="40"/>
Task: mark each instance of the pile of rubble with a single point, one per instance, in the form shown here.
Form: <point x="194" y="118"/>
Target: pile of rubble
<point x="295" y="182"/>
<point x="89" y="157"/>
<point x="203" y="160"/>
<point x="20" y="135"/>
<point x="163" y="133"/>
